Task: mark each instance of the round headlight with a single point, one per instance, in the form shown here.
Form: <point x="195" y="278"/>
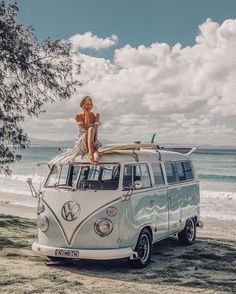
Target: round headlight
<point x="43" y="223"/>
<point x="103" y="227"/>
<point x="111" y="211"/>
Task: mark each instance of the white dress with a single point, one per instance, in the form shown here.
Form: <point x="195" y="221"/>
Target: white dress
<point x="68" y="155"/>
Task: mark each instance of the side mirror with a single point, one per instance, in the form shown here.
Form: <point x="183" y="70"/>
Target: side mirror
<point x="29" y="181"/>
<point x="32" y="189"/>
<point x="138" y="185"/>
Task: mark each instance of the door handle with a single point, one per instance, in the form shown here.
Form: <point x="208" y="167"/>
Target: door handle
<point x="152" y="202"/>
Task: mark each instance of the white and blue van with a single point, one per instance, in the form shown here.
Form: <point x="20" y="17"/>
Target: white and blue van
<point x="139" y="194"/>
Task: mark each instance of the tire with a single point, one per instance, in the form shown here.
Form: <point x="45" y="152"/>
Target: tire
<point x="188" y="235"/>
<point x="144" y="250"/>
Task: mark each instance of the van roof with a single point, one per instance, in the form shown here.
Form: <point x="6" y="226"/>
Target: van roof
<point x="132" y="156"/>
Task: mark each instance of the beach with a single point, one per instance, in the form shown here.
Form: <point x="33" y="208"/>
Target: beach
<point x="208" y="266"/>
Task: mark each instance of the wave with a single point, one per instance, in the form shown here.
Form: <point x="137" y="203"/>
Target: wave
<point x="218" y="195"/>
<point x="23" y="178"/>
<point x="217" y="178"/>
<point x="15" y="190"/>
<point x="218" y="205"/>
<point x="215" y="152"/>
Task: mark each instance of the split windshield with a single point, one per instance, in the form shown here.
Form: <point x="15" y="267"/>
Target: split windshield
<point x="84" y="177"/>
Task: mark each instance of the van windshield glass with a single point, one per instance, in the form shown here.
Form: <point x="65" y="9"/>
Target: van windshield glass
<point x="58" y="176"/>
<point x="99" y="177"/>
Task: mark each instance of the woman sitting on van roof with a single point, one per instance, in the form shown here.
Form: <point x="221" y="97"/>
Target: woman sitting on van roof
<point x="88" y="123"/>
<point x="86" y="141"/>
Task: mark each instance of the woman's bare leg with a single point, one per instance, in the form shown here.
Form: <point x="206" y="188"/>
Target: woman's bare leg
<point x="90" y="143"/>
<point x="96" y="156"/>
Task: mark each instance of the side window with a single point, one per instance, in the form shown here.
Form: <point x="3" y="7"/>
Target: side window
<point x="128" y="176"/>
<point x="188" y="170"/>
<point x="136" y="172"/>
<point x="141" y="173"/>
<point x="158" y="175"/>
<point x="171" y="173"/>
<point x="180" y="171"/>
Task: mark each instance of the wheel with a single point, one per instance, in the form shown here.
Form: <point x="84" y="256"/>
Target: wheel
<point x="188" y="235"/>
<point x="144" y="250"/>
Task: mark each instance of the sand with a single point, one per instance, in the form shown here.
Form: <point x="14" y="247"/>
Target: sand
<point x="208" y="266"/>
<point x="17" y="210"/>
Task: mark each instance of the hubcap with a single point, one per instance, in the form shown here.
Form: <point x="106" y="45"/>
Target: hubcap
<point x="144" y="248"/>
<point x="190" y="229"/>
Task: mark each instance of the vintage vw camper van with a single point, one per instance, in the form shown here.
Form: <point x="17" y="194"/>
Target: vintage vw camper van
<point x="138" y="195"/>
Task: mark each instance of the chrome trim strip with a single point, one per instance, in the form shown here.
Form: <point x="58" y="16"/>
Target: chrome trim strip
<point x="60" y="226"/>
<point x="184" y="184"/>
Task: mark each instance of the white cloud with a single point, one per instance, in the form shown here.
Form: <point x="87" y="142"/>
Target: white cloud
<point x="182" y="92"/>
<point x="88" y="40"/>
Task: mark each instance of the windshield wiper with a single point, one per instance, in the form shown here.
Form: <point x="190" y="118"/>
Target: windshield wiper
<point x="65" y="187"/>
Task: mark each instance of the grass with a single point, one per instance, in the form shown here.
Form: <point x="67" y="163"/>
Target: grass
<point x="194" y="283"/>
<point x="13" y="221"/>
<point x="12" y="278"/>
<point x="223" y="244"/>
<point x="14" y="254"/>
<point x="166" y="273"/>
<point x="172" y="280"/>
<point x="208" y="264"/>
<point x="15" y="232"/>
<point x="218" y="266"/>
<point x="59" y="280"/>
<point x="6" y="242"/>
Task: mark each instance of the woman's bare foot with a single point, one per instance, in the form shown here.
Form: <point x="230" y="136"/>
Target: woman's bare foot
<point x="91" y="158"/>
<point x="96" y="157"/>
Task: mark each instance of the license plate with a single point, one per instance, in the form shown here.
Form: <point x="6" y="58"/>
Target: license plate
<point x="67" y="253"/>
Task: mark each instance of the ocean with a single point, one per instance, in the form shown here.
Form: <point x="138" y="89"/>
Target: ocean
<point x="216" y="170"/>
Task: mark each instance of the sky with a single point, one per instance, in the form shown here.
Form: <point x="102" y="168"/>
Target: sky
<point x="150" y="65"/>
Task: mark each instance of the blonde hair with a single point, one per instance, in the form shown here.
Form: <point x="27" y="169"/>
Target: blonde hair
<point x="84" y="99"/>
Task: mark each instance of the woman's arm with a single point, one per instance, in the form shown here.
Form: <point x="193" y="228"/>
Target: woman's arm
<point x="96" y="124"/>
<point x="80" y="122"/>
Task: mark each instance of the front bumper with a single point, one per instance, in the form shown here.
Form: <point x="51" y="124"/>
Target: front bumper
<point x="102" y="254"/>
<point x="200" y="224"/>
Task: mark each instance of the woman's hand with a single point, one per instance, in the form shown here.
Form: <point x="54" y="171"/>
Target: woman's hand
<point x="97" y="117"/>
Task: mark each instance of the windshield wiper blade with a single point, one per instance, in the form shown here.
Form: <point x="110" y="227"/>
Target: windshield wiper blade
<point x="65" y="187"/>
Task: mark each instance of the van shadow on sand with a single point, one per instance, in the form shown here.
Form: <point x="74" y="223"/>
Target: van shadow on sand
<point x="209" y="263"/>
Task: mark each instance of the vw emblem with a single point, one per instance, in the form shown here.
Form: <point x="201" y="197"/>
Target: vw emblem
<point x="70" y="210"/>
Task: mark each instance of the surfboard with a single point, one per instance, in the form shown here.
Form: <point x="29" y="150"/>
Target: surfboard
<point x="131" y="146"/>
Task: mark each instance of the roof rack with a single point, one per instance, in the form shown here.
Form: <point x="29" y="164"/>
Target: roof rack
<point x="185" y="149"/>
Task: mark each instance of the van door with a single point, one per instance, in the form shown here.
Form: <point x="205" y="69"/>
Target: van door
<point x="140" y="207"/>
<point x="161" y="202"/>
<point x="174" y="197"/>
<point x="189" y="191"/>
